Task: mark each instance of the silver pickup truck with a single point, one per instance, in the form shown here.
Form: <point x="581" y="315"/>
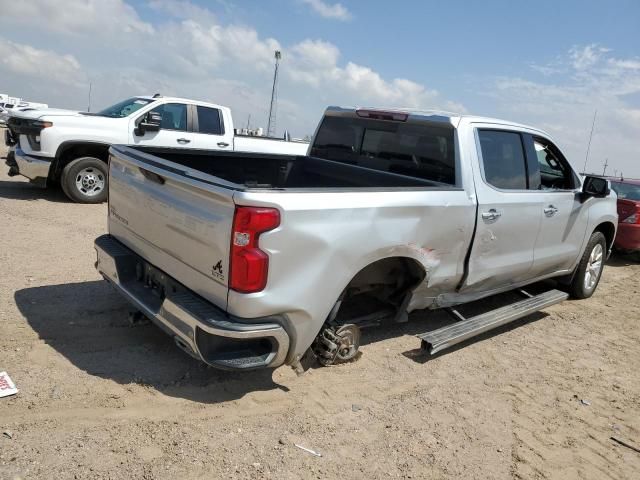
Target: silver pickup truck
<point x="256" y="260"/>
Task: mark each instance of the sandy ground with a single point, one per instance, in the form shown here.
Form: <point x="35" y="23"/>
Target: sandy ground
<point x="101" y="399"/>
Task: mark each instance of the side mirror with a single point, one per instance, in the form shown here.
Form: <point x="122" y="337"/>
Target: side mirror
<point x="150" y="123"/>
<point x="595" y="187"/>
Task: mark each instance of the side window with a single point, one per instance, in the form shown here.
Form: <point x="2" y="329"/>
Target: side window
<point x="174" y="116"/>
<point x="210" y="121"/>
<point x="503" y="159"/>
<point x="555" y="173"/>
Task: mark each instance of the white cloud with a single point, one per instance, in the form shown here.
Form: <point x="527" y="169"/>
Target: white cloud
<point x="75" y="18"/>
<point x="335" y="11"/>
<point x="181" y="9"/>
<point x="27" y="61"/>
<point x="630" y="64"/>
<point x="316" y="63"/>
<point x="192" y="54"/>
<point x="584" y="80"/>
<point x="586" y="56"/>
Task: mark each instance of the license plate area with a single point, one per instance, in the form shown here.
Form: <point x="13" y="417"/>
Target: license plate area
<point x="155" y="281"/>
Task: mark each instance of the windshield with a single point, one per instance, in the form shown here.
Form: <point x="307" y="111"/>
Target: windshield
<point x="628" y="191"/>
<point x="124" y="108"/>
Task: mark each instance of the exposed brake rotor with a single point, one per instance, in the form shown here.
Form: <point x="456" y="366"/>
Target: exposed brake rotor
<point x="337" y="345"/>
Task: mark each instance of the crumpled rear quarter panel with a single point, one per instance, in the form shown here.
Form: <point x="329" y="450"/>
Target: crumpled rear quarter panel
<point x="326" y="238"/>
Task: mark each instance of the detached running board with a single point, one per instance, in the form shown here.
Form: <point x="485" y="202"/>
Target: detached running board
<point x="445" y="337"/>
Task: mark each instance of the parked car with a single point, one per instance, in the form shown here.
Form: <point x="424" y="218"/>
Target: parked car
<point x="628" y="236"/>
<point x="71" y="148"/>
<point x="255" y="260"/>
<point x="6" y="110"/>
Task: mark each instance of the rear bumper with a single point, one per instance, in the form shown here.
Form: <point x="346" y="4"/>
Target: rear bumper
<point x="35" y="169"/>
<point x="198" y="327"/>
<point x="628" y="236"/>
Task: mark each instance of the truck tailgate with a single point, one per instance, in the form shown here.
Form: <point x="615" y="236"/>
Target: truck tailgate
<point x="177" y="222"/>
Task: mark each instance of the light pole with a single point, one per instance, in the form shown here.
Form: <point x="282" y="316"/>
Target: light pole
<point x="271" y="123"/>
<point x="89" y="102"/>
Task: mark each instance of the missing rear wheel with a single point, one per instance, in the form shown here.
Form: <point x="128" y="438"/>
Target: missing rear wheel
<point x="337" y="345"/>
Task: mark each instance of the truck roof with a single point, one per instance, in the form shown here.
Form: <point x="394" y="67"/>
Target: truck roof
<point x="179" y="99"/>
<point x="434" y="115"/>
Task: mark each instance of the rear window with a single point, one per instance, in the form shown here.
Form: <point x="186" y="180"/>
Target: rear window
<point x="417" y="150"/>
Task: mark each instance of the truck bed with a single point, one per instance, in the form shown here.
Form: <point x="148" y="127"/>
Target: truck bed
<point x="175" y="207"/>
<point x="242" y="171"/>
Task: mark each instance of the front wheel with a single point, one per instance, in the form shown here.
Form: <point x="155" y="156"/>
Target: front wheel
<point x="590" y="268"/>
<point x="84" y="180"/>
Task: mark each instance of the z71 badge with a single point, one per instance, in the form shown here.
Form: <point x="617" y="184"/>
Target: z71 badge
<point x="217" y="272"/>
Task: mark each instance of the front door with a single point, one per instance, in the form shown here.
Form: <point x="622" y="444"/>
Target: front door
<point x="563" y="219"/>
<point x="508" y="214"/>
<point x="173" y="131"/>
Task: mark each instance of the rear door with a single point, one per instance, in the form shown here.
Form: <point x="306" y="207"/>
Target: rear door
<point x="174" y="129"/>
<point x="177" y="222"/>
<point x="211" y="130"/>
<point x="508" y="220"/>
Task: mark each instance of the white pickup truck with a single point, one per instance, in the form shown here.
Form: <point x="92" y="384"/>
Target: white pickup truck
<point x="71" y="148"/>
<point x="254" y="260"/>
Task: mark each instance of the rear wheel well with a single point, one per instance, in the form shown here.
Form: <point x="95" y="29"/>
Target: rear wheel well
<point x="381" y="285"/>
<point x="68" y="153"/>
<point x="608" y="229"/>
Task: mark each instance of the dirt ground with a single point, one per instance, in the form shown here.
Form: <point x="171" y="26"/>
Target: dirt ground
<point x="100" y="399"/>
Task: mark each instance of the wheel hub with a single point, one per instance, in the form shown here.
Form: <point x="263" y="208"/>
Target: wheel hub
<point x="90" y="181"/>
<point x="594" y="266"/>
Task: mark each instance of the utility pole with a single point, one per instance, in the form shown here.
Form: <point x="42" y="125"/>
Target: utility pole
<point x="89" y="102"/>
<point x="271" y="123"/>
<point x="248" y="121"/>
<point x="586" y="158"/>
<point x="606" y="164"/>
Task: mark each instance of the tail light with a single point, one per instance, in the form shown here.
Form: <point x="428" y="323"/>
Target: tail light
<point x="249" y="265"/>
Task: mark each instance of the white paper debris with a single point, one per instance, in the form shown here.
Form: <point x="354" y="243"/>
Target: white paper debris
<point x="7" y="387"/>
<point x="308" y="450"/>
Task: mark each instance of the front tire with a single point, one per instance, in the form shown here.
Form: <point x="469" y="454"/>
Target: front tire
<point x="589" y="270"/>
<point x="85" y="180"/>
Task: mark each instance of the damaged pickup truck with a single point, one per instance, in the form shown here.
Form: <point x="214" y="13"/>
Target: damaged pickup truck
<point x="255" y="260"/>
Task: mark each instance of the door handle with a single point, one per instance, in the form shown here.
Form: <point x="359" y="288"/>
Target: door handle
<point x="183" y="140"/>
<point x="550" y="211"/>
<point x="223" y="144"/>
<point x="492" y="214"/>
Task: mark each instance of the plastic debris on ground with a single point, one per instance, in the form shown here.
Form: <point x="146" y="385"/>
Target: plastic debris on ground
<point x="7" y="387"/>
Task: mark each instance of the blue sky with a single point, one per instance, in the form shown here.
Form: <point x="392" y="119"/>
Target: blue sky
<point x="546" y="63"/>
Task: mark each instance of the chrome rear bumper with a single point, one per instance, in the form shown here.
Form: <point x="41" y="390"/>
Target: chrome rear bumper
<point x="198" y="327"/>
